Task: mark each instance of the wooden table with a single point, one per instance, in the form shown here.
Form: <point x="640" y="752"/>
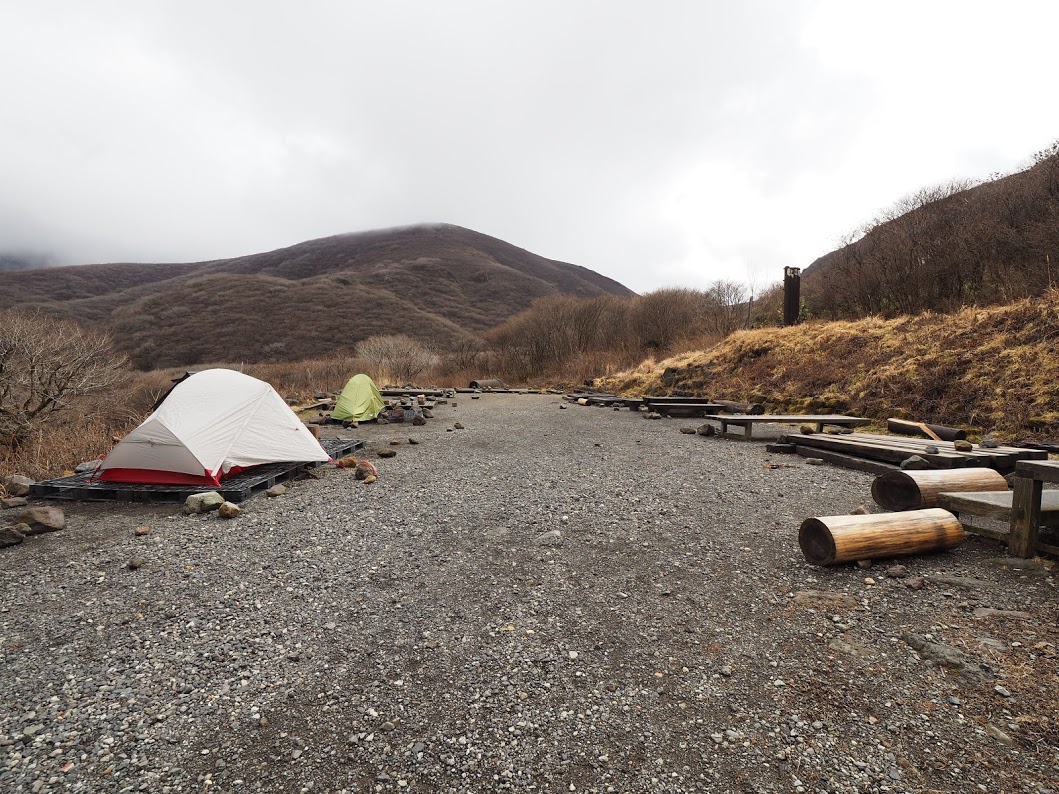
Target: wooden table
<point x="1030" y="476"/>
<point x="747" y="421"/>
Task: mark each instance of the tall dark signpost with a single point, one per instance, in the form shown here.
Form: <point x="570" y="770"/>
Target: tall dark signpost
<point x="792" y="300"/>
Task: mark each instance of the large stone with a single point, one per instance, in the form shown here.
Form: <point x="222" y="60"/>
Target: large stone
<point x="963" y="446"/>
<point x="386" y="453"/>
<point x="39" y="519"/>
<point x="706" y="430"/>
<point x="202" y="502"/>
<point x="914" y="463"/>
<point x="948" y="656"/>
<point x="364" y="470"/>
<point x="276" y="490"/>
<point x="17" y="485"/>
<point x="88" y="466"/>
<point x="12" y="535"/>
<point x="228" y="510"/>
<point x="13" y="501"/>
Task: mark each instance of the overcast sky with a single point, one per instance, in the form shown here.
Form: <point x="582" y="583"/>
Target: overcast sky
<point x="661" y="143"/>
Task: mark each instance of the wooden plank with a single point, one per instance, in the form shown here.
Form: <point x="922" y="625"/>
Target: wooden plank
<point x="1040" y="470"/>
<point x="998" y="505"/>
<point x="846" y="461"/>
<point x="995" y="534"/>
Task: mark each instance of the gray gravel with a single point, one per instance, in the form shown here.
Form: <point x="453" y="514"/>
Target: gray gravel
<point x="545" y="600"/>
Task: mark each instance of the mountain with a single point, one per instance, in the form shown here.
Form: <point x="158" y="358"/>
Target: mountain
<point x="438" y="283"/>
<point x="946" y="247"/>
<point x="15" y="260"/>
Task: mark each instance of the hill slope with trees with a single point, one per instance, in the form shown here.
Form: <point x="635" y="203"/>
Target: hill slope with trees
<point x="946" y="247"/>
<point x="438" y="283"/>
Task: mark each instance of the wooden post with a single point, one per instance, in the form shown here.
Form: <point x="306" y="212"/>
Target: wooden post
<point x="792" y="300"/>
<point x="1025" y="516"/>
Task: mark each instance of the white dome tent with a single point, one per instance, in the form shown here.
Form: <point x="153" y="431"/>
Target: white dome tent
<point x="212" y="425"/>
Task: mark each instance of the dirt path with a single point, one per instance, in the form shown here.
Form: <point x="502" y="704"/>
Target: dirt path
<point x="416" y="634"/>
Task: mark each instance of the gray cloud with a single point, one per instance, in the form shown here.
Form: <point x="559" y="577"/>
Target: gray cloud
<point x="674" y="143"/>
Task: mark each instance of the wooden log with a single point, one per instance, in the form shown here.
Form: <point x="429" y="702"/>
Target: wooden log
<point x="940" y="432"/>
<point x="914" y="490"/>
<point x="486" y="383"/>
<point x="832" y="539"/>
<point x="753" y="409"/>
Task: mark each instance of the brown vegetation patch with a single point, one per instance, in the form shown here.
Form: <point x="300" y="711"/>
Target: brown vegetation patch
<point x="992" y="369"/>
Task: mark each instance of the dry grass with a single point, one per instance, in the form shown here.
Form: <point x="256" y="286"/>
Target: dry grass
<point x="989" y="369"/>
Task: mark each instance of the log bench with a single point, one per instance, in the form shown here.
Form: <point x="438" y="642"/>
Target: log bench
<point x="1026" y="509"/>
<point x="747" y="421"/>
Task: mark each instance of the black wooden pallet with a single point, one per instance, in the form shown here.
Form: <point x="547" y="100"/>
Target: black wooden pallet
<point x="81" y="487"/>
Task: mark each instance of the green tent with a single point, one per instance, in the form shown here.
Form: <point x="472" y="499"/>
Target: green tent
<point x="359" y="401"/>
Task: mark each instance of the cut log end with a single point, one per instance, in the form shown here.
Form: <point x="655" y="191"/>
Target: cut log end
<point x="816" y="541"/>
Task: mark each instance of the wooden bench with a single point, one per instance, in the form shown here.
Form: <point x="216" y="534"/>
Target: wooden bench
<point x="747" y="421"/>
<point x="1030" y="476"/>
<point x="1026" y="509"/>
<point x="682" y="408"/>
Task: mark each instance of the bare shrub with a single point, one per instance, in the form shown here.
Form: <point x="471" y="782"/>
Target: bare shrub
<point x="46" y="366"/>
<point x="396" y="357"/>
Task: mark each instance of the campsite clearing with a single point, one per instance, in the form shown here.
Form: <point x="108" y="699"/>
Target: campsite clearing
<point x="558" y="598"/>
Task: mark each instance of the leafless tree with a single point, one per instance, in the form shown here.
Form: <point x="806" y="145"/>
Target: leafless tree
<point x="397" y="356"/>
<point x="46" y="364"/>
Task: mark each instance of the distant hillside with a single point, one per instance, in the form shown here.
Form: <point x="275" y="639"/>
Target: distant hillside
<point x="434" y="282"/>
<point x="948" y="247"/>
<point x="982" y="369"/>
<point x="14" y="260"/>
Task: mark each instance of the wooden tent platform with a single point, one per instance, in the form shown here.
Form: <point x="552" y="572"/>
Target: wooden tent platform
<point x="80" y="487"/>
<point x="895" y="449"/>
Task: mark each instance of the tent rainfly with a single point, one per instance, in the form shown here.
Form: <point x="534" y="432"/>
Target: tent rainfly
<point x="214" y="424"/>
<point x="359" y="401"/>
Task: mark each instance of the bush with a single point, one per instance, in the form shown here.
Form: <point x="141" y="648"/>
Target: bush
<point x="47" y="366"/>
<point x="396" y="357"/>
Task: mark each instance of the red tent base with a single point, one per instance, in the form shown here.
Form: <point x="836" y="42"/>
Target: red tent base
<point x="155" y="477"/>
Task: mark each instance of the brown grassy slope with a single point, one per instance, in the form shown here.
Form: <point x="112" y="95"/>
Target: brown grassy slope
<point x="987" y="369"/>
<point x="435" y="282"/>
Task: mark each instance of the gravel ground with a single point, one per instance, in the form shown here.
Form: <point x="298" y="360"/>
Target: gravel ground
<point x="418" y="634"/>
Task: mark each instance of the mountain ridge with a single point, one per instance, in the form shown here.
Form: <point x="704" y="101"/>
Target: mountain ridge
<point x="436" y="282"/>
